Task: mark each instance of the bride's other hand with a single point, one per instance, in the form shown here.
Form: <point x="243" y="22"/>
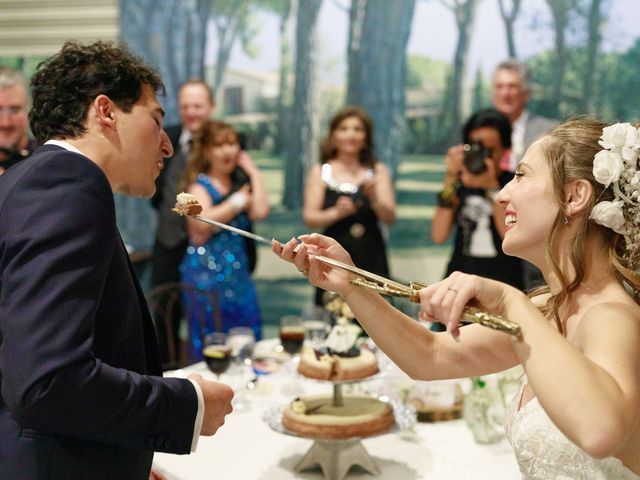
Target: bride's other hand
<point x="318" y="273"/>
<point x="444" y="301"/>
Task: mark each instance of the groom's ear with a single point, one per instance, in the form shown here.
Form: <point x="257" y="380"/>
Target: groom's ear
<point x="577" y="197"/>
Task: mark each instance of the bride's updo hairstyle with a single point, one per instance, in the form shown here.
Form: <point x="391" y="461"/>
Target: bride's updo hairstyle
<point x="570" y="149"/>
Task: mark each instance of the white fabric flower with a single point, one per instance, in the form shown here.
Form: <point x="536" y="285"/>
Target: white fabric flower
<point x="619" y="135"/>
<point x="609" y="214"/>
<point x="607" y="167"/>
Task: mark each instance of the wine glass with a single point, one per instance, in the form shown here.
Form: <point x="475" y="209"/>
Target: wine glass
<point x="241" y="340"/>
<point x="317" y="323"/>
<point x="216" y="353"/>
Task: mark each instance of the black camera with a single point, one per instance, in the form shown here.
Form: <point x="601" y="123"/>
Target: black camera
<point x="474" y="156"/>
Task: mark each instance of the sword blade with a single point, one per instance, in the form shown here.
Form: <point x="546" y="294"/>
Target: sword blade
<point x="239" y="231"/>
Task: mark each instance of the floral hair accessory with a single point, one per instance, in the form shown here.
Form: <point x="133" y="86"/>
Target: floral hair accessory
<point x="617" y="166"/>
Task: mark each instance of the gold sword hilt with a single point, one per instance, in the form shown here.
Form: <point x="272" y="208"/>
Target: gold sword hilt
<point x="470" y="314"/>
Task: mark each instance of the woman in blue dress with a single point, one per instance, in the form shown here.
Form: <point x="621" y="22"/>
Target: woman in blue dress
<point x="228" y="185"/>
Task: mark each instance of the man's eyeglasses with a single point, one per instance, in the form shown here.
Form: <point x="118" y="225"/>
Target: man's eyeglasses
<point x="11" y="111"/>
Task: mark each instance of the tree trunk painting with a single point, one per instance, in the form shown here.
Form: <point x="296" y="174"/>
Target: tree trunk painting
<point x="170" y="34"/>
<point x="377" y="70"/>
<point x="509" y="18"/>
<point x="284" y="96"/>
<point x="560" y="10"/>
<point x="464" y="12"/>
<point x="302" y="148"/>
<point x="595" y="21"/>
<point x="230" y="18"/>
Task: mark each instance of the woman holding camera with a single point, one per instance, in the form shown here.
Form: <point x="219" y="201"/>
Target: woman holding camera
<point x="473" y="177"/>
<point x="350" y="193"/>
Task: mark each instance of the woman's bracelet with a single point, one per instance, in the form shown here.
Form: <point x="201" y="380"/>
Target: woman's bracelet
<point x="446" y="198"/>
<point x="238" y="200"/>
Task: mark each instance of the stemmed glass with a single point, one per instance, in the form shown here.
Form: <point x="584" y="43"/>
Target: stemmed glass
<point x="317" y="323"/>
<point x="216" y="353"/>
<point x="241" y="340"/>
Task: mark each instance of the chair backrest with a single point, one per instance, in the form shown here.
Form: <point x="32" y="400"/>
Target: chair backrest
<point x="165" y="303"/>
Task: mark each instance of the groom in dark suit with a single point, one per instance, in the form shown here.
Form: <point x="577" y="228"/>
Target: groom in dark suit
<point x="82" y="393"/>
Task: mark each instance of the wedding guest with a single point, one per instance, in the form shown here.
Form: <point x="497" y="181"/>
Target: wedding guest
<point x="230" y="189"/>
<point x="82" y="389"/>
<point x="511" y="94"/>
<point x="467" y="206"/>
<point x="15" y="142"/>
<point x="349" y="194"/>
<point x="572" y="211"/>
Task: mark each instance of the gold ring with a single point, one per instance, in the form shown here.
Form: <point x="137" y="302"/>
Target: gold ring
<point x="304" y="272"/>
<point x="452" y="289"/>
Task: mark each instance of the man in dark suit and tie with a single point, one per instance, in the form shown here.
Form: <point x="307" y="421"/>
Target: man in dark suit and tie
<point x="195" y="105"/>
<point x="82" y="393"/>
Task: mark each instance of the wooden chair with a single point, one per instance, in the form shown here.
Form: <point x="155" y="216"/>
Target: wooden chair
<point x="165" y="304"/>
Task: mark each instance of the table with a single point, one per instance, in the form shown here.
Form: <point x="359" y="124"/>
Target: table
<point x="246" y="448"/>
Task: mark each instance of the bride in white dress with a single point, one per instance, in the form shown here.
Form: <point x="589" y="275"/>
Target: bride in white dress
<point x="573" y="210"/>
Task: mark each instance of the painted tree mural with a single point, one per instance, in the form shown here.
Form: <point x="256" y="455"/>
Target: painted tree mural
<point x="302" y="146"/>
<point x="509" y="15"/>
<point x="595" y="20"/>
<point x="285" y="10"/>
<point x="172" y="35"/>
<point x="464" y="13"/>
<point x="561" y="11"/>
<point x="377" y="69"/>
<point x="233" y="20"/>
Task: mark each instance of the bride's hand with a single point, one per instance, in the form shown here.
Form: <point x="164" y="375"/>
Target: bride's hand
<point x="444" y="302"/>
<point x="318" y="273"/>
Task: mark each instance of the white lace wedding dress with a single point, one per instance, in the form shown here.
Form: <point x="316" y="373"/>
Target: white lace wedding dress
<point x="544" y="452"/>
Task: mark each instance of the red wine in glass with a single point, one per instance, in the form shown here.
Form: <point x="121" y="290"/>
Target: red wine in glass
<point x="292" y="338"/>
<point x="217" y="358"/>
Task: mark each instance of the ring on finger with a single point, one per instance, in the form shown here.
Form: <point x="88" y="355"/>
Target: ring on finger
<point x="454" y="290"/>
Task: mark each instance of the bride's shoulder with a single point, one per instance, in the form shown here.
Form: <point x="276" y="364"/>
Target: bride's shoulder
<point x="621" y="315"/>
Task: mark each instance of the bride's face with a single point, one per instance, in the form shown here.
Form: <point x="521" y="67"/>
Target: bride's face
<point x="530" y="207"/>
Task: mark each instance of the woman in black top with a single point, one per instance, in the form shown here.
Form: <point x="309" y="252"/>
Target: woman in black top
<point x="350" y="192"/>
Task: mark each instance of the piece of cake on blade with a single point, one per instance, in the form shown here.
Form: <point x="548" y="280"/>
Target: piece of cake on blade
<point x="338" y="358"/>
<point x="186" y="204"/>
<point x="359" y="416"/>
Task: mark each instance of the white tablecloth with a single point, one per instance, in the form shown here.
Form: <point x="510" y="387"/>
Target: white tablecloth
<point x="246" y="448"/>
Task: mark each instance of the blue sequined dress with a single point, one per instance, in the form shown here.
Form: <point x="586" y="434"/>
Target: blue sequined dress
<point x="220" y="265"/>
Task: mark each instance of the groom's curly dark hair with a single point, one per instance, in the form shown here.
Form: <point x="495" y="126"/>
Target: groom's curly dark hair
<point x="65" y="84"/>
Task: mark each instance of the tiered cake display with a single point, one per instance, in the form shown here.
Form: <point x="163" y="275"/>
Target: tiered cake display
<point x="335" y="422"/>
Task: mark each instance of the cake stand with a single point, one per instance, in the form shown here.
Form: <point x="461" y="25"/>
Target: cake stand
<point x="335" y="457"/>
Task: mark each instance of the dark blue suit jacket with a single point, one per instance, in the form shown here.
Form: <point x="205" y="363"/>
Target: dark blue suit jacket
<point x="80" y="380"/>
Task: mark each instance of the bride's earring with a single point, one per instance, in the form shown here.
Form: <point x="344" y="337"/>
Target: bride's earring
<point x="565" y="219"/>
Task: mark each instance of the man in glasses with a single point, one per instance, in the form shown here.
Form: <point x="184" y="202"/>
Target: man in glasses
<point x="15" y="143"/>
